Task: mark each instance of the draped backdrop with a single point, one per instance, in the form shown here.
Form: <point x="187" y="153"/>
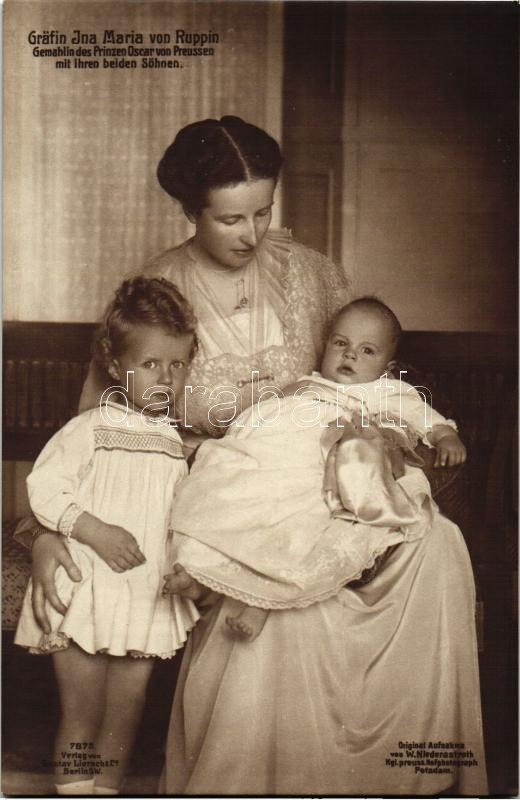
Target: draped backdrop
<point x="82" y="207"/>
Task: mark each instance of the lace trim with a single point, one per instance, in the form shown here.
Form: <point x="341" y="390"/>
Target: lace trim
<point x="162" y="656"/>
<point x="51" y="643"/>
<point x="294" y="277"/>
<point x="57" y="640"/>
<point x="68" y="519"/>
<point x="262" y="602"/>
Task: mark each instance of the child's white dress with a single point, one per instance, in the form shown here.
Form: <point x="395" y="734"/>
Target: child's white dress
<point x="122" y="468"/>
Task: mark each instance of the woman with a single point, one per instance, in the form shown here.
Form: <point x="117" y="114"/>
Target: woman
<point x="262" y="301"/>
<point x="331" y="699"/>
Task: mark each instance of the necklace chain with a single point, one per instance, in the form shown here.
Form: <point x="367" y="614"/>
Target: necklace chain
<point x="242" y="299"/>
<point x="241" y="293"/>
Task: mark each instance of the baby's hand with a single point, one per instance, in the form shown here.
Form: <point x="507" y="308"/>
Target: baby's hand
<point x="450" y="451"/>
<point x="179" y="582"/>
<point x="113" y="544"/>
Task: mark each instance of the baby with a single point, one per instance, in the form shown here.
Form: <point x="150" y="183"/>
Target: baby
<point x="268" y="514"/>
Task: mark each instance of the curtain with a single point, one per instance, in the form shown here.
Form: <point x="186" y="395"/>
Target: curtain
<point x="82" y="206"/>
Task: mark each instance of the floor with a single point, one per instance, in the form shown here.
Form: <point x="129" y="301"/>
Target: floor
<point x="29" y="719"/>
<point x="30" y="706"/>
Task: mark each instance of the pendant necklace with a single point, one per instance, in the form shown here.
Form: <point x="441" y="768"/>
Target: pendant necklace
<point x="242" y="299"/>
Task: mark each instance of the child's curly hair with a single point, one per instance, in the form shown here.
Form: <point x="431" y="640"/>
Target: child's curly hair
<point x="142" y="301"/>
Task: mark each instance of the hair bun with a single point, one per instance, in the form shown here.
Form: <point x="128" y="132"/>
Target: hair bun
<point x="231" y="120"/>
<point x="212" y="153"/>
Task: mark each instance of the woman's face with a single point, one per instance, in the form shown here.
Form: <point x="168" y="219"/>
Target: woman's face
<point x="236" y="219"/>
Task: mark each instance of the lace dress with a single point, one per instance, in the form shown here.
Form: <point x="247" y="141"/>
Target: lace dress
<point x="292" y="292"/>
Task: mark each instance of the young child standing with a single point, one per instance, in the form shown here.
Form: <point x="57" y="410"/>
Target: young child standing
<point x="276" y="534"/>
<point x="105" y="481"/>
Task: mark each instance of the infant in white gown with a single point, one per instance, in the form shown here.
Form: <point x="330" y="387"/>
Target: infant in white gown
<point x="303" y="493"/>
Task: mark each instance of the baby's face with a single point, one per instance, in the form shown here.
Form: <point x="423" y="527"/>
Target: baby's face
<point x="359" y="348"/>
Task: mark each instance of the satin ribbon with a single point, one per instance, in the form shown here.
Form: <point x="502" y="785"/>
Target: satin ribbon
<point x="363" y="464"/>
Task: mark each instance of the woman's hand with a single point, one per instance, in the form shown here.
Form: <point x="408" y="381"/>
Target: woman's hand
<point x="115" y="545"/>
<point x="48" y="553"/>
<point x="450" y="451"/>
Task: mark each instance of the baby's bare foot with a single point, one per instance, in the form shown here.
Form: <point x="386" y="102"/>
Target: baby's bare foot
<point x="240" y="628"/>
<point x="248" y="624"/>
<point x="179" y="582"/>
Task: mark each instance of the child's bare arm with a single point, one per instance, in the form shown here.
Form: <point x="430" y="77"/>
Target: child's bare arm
<point x="450" y="450"/>
<point x="116" y="546"/>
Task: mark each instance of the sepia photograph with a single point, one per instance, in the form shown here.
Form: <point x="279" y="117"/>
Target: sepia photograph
<point x="260" y="406"/>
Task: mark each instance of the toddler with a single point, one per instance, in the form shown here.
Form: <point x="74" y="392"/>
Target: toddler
<point x="105" y="482"/>
<point x="271" y="532"/>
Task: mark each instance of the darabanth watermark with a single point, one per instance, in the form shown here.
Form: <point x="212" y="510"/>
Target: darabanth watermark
<point x="227" y="403"/>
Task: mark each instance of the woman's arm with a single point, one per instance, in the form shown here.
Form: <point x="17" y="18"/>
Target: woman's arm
<point x="27" y="531"/>
<point x="48" y="553"/>
<point x="115" y="545"/>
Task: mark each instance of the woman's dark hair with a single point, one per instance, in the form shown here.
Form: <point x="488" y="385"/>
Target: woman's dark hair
<point x="213" y="153"/>
<point x="142" y="301"/>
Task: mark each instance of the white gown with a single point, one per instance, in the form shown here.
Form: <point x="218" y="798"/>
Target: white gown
<point x="253" y="521"/>
<point x="123" y="472"/>
<point x="322" y="698"/>
<point x="325" y="697"/>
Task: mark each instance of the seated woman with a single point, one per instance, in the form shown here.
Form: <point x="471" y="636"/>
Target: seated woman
<point x="340" y="690"/>
<point x="253" y="520"/>
<point x="247" y="285"/>
<point x="319" y="702"/>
